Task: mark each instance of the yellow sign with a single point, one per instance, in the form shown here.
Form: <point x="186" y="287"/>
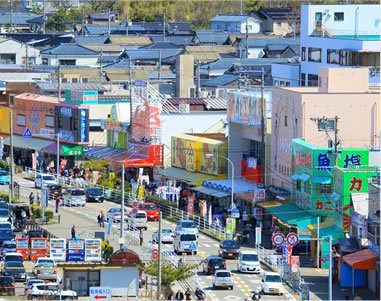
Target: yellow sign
<point x="190" y="155"/>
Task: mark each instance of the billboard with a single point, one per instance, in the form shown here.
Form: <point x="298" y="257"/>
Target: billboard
<point x="81" y="97"/>
<point x="146" y="125"/>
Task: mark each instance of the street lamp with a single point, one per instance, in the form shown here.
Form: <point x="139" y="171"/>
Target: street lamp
<point x="232" y="193"/>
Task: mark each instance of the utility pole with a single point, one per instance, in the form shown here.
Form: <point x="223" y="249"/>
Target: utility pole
<point x="159" y="259"/>
<point x="58" y="156"/>
<point x="131" y="114"/>
<point x="159" y="64"/>
<point x="240" y="8"/>
<point x="198" y="79"/>
<point x="164" y="27"/>
<point x="247" y="40"/>
<point x="263" y="146"/>
<point x="11" y="163"/>
<point x="109" y="24"/>
<point x="336" y="140"/>
<point x="43" y="17"/>
<point x="59" y="82"/>
<point x="121" y="240"/>
<point x="318" y="243"/>
<point x="101" y="67"/>
<point x="26" y="56"/>
<point x="127" y="25"/>
<point x="11" y="19"/>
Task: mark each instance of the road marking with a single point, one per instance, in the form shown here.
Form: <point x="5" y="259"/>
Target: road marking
<point x="206" y="245"/>
<point x="245" y="288"/>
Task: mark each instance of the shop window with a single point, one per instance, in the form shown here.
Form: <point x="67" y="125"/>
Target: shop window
<point x="288" y="84"/>
<point x="49" y="121"/>
<point x="314" y="54"/>
<point x="303" y="79"/>
<point x="299" y="185"/>
<point x="85" y="80"/>
<point x="325" y="188"/>
<point x="338" y="17"/>
<point x="20" y="120"/>
<point x="74" y="80"/>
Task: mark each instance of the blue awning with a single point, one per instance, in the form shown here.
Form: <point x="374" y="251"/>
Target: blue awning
<point x="304" y="177"/>
<point x="322" y="180"/>
<point x="295" y="177"/>
<point x="210" y="191"/>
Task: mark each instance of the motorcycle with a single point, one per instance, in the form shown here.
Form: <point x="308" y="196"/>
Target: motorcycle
<point x="256" y="296"/>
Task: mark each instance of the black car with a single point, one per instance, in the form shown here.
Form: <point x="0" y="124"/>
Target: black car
<point x="229" y="248"/>
<point x="54" y="189"/>
<point x="94" y="195"/>
<point x="6" y="235"/>
<point x="15" y="269"/>
<point x="302" y="248"/>
<point x="212" y="264"/>
<point x="35" y="234"/>
<point x="7" y="286"/>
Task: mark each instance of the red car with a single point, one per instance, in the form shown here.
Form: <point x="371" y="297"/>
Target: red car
<point x="151" y="210"/>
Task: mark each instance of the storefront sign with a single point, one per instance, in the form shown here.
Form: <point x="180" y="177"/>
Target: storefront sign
<point x="72" y="150"/>
<point x="121" y="127"/>
<point x="67" y="136"/>
<point x="66" y="112"/>
<point x="83" y="126"/>
<point x="81" y="97"/>
<point x="235" y="213"/>
<point x="93" y="250"/>
<point x="259" y="195"/>
<point x="190" y="207"/>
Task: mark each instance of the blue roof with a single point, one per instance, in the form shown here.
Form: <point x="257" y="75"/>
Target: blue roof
<point x="180" y="40"/>
<point x="151" y="54"/>
<point x="220" y="80"/>
<point x="161" y="45"/>
<point x="229" y="18"/>
<point x="263" y="42"/>
<point x="212" y="37"/>
<point x="17" y="18"/>
<point x="90" y="39"/>
<point x="122" y="64"/>
<point x="102" y="29"/>
<point x="240" y="185"/>
<point x="69" y="49"/>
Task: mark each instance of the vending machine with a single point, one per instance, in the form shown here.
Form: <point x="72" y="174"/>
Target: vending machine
<point x="76" y="250"/>
<point x="39" y="247"/>
<point x="22" y="247"/>
<point x="58" y="249"/>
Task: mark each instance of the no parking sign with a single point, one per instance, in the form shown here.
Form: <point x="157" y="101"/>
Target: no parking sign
<point x="278" y="239"/>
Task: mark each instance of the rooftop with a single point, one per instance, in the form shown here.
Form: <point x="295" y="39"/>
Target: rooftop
<point x="229" y="18"/>
<point x="69" y="49"/>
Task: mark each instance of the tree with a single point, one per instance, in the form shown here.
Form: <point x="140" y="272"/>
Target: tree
<point x="36" y="9"/>
<point x="169" y="273"/>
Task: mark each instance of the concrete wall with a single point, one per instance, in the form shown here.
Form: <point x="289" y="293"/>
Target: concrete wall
<point x="80" y="61"/>
<point x="184" y="74"/>
<point x="286" y="73"/>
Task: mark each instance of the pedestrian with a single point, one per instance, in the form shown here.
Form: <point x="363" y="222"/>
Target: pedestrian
<point x="141" y="236"/>
<point x="73" y="232"/>
<point x="31" y="198"/>
<point x="57" y="202"/>
<point x="99" y="220"/>
<point x="188" y="294"/>
<point x="200" y="295"/>
<point x="38" y="199"/>
<point x="179" y="295"/>
<point x="103" y="219"/>
<point x="170" y="295"/>
<point x="23" y="218"/>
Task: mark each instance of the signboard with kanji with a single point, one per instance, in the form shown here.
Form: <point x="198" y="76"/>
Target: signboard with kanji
<point x="97" y="293"/>
<point x="72" y="150"/>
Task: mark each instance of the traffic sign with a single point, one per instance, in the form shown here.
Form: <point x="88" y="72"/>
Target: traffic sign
<point x="135" y="204"/>
<point x="102" y="293"/>
<point x="292" y="239"/>
<point x="192" y="246"/>
<point x="154" y="254"/>
<point x="134" y="210"/>
<point x="278" y="239"/>
<point x="27" y="133"/>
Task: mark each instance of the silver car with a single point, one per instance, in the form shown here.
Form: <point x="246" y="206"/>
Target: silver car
<point x="74" y="197"/>
<point x="167" y="236"/>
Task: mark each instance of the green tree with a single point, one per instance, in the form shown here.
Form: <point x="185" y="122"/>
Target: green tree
<point x="169" y="273"/>
<point x="36" y="9"/>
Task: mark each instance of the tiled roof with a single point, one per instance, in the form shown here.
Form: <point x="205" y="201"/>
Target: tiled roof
<point x="179" y="26"/>
<point x="229" y="18"/>
<point x="180" y="40"/>
<point x="211" y="37"/>
<point x="53" y="41"/>
<point x="80" y="39"/>
<point x="115" y="29"/>
<point x="69" y="49"/>
<point x="161" y="45"/>
<point x="28" y="37"/>
<point x="106" y="48"/>
<point x="52" y="87"/>
<point x="169" y="26"/>
<point x="263" y="42"/>
<point x="151" y="54"/>
<point x="123" y="64"/>
<point x="129" y="40"/>
<point x="17" y="18"/>
<point x="276" y="13"/>
<point x="207" y="53"/>
<point x="221" y="80"/>
<point x="108" y="59"/>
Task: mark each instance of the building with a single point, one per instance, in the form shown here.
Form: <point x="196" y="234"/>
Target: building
<point x="338" y="95"/>
<point x="236" y="23"/>
<point x="339" y="36"/>
<point x="70" y="54"/>
<point x="17" y="53"/>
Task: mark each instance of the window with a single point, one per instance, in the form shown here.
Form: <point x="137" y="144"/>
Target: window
<point x="298" y="185"/>
<point x="74" y="80"/>
<point x="303" y="53"/>
<point x="325" y="188"/>
<point x="333" y="56"/>
<point x="219" y="26"/>
<point x="287" y="84"/>
<point x="303" y="79"/>
<point x="49" y="121"/>
<point x="60" y="122"/>
<point x="314" y="54"/>
<point x="276" y="82"/>
<point x="67" y="62"/>
<point x="11" y="100"/>
<point x="281" y="83"/>
<point x="8" y="58"/>
<point x="64" y="80"/>
<point x="45" y="61"/>
<point x="85" y="80"/>
<point x="318" y="16"/>
<point x="312" y="80"/>
<point x="296" y="122"/>
<point x="285" y="120"/>
<point x="307" y="187"/>
<point x="20" y="120"/>
<point x="338" y="17"/>
<point x="227" y="25"/>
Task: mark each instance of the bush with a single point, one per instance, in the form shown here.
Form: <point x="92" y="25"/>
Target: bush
<point x="48" y="214"/>
<point x="36" y="210"/>
<point x="4" y="165"/>
<point x="5" y="196"/>
<point x="158" y="200"/>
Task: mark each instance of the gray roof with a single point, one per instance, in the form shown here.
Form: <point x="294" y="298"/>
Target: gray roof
<point x="221" y="80"/>
<point x="218" y="103"/>
<point x="180" y="40"/>
<point x="229" y="18"/>
<point x="52" y="87"/>
<point x="211" y="37"/>
<point x="122" y="64"/>
<point x="90" y="39"/>
<point x="151" y="54"/>
<point x="69" y="49"/>
<point x="263" y="42"/>
<point x="17" y="18"/>
<point x="161" y="45"/>
<point x="93" y="29"/>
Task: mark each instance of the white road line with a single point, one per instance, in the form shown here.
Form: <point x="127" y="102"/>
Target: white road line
<point x="206" y="245"/>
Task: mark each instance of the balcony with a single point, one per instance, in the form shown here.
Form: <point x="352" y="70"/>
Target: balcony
<point x="324" y="32"/>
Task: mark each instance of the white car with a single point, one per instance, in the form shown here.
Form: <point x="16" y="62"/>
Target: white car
<point x="43" y="179"/>
<point x="248" y="262"/>
<point x="50" y="289"/>
<point x="223" y="278"/>
<point x="74" y="197"/>
<point x="187" y="226"/>
<point x="45" y="268"/>
<point x="115" y="213"/>
<point x="272" y="284"/>
<point x="167" y="236"/>
<point x="138" y="220"/>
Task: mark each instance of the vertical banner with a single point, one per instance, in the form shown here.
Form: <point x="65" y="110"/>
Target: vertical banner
<point x="93" y="250"/>
<point x="234" y="225"/>
<point x="34" y="161"/>
<point x="190" y="208"/>
<point x="258" y="235"/>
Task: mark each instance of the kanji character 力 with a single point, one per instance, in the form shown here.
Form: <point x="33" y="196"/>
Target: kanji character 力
<point x="319" y="205"/>
<point x="355" y="184"/>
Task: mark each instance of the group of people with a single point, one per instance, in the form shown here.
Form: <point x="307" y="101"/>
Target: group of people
<point x="32" y="198"/>
<point x="199" y="294"/>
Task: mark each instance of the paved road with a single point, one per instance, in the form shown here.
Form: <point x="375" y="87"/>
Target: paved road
<point x="85" y="220"/>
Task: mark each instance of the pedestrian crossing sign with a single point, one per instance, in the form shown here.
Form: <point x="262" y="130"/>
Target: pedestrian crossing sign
<point x="192" y="246"/>
<point x="27" y="133"/>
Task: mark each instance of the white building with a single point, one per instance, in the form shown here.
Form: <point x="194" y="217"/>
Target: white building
<point x="236" y="23"/>
<point x="16" y="53"/>
<point x="339" y="36"/>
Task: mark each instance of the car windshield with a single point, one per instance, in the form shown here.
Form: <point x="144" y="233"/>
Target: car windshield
<point x="48" y="178"/>
<point x="250" y="257"/>
<point x="216" y="261"/>
<point x="273" y="278"/>
<point x="3" y="206"/>
<point x="15" y="264"/>
<point x="140" y="215"/>
<point x="230" y="244"/>
<point x="3" y="173"/>
<point x="93" y="191"/>
<point x="77" y="192"/>
<point x="4" y="213"/>
<point x="45" y="263"/>
<point x="188" y="225"/>
<point x="55" y="187"/>
<point x="150" y="207"/>
<point x="14" y="258"/>
<point x="9" y="245"/>
<point x="188" y="237"/>
<point x="166" y="231"/>
<point x="35" y="234"/>
<point x="6" y="281"/>
<point x="223" y="274"/>
<point x="33" y="281"/>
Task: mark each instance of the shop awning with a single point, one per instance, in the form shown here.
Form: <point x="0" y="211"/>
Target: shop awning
<point x="322" y="180"/>
<point x="328" y="231"/>
<point x="268" y="204"/>
<point x="210" y="191"/>
<point x="240" y="185"/>
<point x="300" y="177"/>
<point x="192" y="178"/>
<point x="362" y="260"/>
<point x="28" y="143"/>
<point x="289" y="213"/>
<point x="295" y="177"/>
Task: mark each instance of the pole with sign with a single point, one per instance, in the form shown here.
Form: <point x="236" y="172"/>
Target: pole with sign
<point x="258" y="236"/>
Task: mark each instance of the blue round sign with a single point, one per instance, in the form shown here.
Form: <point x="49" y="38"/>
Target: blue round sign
<point x="134" y="210"/>
<point x="135" y="204"/>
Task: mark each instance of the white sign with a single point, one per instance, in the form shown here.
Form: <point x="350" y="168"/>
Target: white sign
<point x="44" y="198"/>
<point x="100" y="293"/>
<point x="93" y="250"/>
<point x="58" y="249"/>
<point x="258" y="235"/>
<point x="259" y="194"/>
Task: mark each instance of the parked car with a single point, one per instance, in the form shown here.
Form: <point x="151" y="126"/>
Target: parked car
<point x="138" y="220"/>
<point x="9" y="246"/>
<point x="29" y="283"/>
<point x="43" y="180"/>
<point x="5" y="215"/>
<point x="223" y="278"/>
<point x="187" y="226"/>
<point x="228" y="249"/>
<point x="7" y="286"/>
<point x="51" y="289"/>
<point x="272" y="284"/>
<point x="6" y="235"/>
<point x="94" y="194"/>
<point x="115" y="214"/>
<point x="4" y="177"/>
<point x="213" y="263"/>
<point x="54" y="190"/>
<point x="74" y="197"/>
<point x="167" y="236"/>
<point x="45" y="268"/>
<point x="4" y="205"/>
<point x="248" y="261"/>
<point x="151" y="209"/>
<point x="6" y="225"/>
<point x="15" y="269"/>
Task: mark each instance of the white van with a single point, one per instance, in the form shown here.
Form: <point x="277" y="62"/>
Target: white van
<point x="248" y="262"/>
<point x="185" y="243"/>
<point x="138" y="220"/>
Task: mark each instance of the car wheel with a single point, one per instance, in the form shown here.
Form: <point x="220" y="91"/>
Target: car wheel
<point x="231" y="287"/>
<point x="214" y="287"/>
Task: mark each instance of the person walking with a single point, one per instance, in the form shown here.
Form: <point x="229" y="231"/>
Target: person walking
<point x="188" y="294"/>
<point x="200" y="295"/>
<point x="23" y="218"/>
<point x="57" y="202"/>
<point x="102" y="219"/>
<point x="179" y="295"/>
<point x="31" y="198"/>
<point x="38" y="199"/>
<point x="99" y="220"/>
<point x="141" y="236"/>
<point x="73" y="232"/>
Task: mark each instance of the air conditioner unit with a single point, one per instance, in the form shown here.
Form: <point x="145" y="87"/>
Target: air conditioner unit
<point x="192" y="92"/>
<point x="184" y="108"/>
<point x="220" y="93"/>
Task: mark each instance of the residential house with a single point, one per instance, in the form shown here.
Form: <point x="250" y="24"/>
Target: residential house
<point x="206" y="53"/>
<point x="18" y="73"/>
<point x="339" y="36"/>
<point x="210" y="37"/>
<point x="91" y="39"/>
<point x="279" y="21"/>
<point x="236" y="23"/>
<point x="121" y="29"/>
<point x="132" y="42"/>
<point x="69" y="54"/>
<point x="180" y="40"/>
<point x="285" y="74"/>
<point x="103" y="18"/>
<point x="151" y="56"/>
<point x="19" y="21"/>
<point x="15" y="52"/>
<point x="171" y="28"/>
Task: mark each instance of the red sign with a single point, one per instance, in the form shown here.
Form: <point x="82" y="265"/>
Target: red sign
<point x="278" y="239"/>
<point x="292" y="239"/>
<point x="154" y="254"/>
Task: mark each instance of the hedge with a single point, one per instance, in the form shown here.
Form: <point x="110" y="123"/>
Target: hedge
<point x="36" y="210"/>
